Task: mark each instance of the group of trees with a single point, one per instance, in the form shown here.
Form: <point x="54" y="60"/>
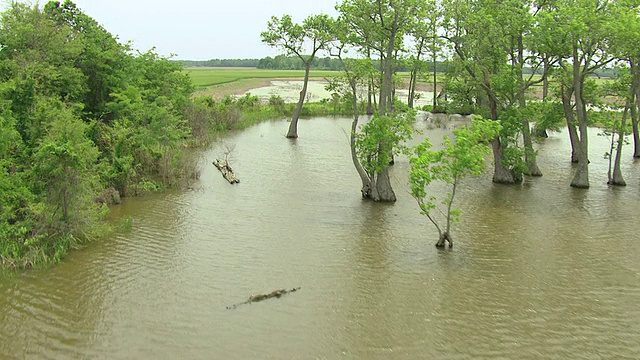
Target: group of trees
<point x="251" y="63"/>
<point x="284" y="62"/>
<point x="497" y="51"/>
<point x="85" y="120"/>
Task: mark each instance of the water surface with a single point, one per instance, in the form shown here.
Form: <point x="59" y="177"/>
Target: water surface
<point x="538" y="270"/>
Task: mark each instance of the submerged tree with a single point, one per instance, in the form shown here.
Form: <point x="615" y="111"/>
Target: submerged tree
<point x="378" y="140"/>
<point x="465" y="155"/>
<point x="356" y="73"/>
<point x="292" y="38"/>
<point x="378" y="28"/>
<point x="583" y="29"/>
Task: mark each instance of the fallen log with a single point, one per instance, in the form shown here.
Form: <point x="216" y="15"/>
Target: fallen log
<point x="260" y="297"/>
<point x="227" y="171"/>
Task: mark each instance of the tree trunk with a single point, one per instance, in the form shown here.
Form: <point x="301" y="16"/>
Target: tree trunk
<point x="545" y="78"/>
<point x="581" y="178"/>
<point x="364" y="177"/>
<point x="369" y="88"/>
<point x="634" y="124"/>
<point x="444" y="238"/>
<point x="501" y="174"/>
<point x="542" y="133"/>
<point x="635" y="107"/>
<point x="412" y="87"/>
<point x="293" y="127"/>
<point x="617" y="178"/>
<point x="414" y="76"/>
<point x="529" y="152"/>
<point x="435" y="76"/>
<point x="369" y="96"/>
<point x="571" y="127"/>
<point x="382" y="190"/>
<point x="386" y="89"/>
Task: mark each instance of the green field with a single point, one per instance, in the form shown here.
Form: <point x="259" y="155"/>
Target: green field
<point x="204" y="77"/>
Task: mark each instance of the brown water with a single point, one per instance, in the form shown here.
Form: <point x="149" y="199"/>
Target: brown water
<point x="538" y="270"/>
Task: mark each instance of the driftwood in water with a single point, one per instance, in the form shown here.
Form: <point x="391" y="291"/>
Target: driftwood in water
<point x="227" y="171"/>
<point x="260" y="297"/>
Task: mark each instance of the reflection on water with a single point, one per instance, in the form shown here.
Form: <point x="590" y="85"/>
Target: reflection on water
<point x="539" y="270"/>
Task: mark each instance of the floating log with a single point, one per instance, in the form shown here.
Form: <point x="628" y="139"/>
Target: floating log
<point x="227" y="171"/>
<point x="260" y="297"/>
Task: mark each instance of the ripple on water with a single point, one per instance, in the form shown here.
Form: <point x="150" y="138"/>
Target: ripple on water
<point x="538" y="270"/>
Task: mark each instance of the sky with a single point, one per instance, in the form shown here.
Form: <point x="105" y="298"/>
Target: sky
<point x="196" y="29"/>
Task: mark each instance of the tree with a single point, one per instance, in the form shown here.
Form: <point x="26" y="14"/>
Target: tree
<point x="482" y="39"/>
<point x="425" y="39"/>
<point x="380" y="26"/>
<point x="80" y="115"/>
<point x="624" y="43"/>
<point x="377" y="142"/>
<point x="292" y="38"/>
<point x="582" y="28"/>
<point x="64" y="162"/>
<point x="101" y="58"/>
<point x="465" y="155"/>
<point x="357" y="73"/>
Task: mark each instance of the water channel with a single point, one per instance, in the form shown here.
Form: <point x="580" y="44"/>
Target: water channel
<point x="539" y="270"/>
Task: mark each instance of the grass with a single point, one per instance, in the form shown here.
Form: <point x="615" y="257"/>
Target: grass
<point x="219" y="82"/>
<point x="205" y="77"/>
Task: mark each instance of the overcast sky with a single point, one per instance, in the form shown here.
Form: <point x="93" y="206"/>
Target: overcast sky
<point x="197" y="29"/>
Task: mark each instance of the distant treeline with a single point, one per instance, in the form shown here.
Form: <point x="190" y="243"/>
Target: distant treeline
<point x="251" y="63"/>
<point x="283" y="62"/>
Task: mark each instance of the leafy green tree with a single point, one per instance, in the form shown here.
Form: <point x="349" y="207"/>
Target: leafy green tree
<point x="376" y="143"/>
<point x="357" y="73"/>
<point x="63" y="170"/>
<point x="465" y="155"/>
<point x="101" y="59"/>
<point x="292" y="38"/>
<point x="614" y="125"/>
<point x="80" y="115"/>
<point x="493" y="42"/>
<point x="625" y="32"/>
<point x="37" y="58"/>
<point x="582" y="29"/>
<point x="380" y="26"/>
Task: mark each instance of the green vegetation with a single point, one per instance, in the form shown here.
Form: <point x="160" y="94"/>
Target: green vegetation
<point x="85" y="121"/>
<point x="465" y="155"/>
<point x="235" y="63"/>
<point x="206" y="77"/>
<point x="314" y="34"/>
<point x="499" y="56"/>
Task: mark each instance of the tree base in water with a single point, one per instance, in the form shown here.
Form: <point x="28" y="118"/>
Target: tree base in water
<point x="444" y="238"/>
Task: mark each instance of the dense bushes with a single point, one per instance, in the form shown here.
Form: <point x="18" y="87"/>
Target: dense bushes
<point x="83" y="121"/>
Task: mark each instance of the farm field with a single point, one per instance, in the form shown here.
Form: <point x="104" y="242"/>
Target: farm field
<point x="204" y="77"/>
<point x="220" y="82"/>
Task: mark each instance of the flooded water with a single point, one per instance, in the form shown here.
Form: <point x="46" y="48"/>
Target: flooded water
<point x="289" y="91"/>
<point x="539" y="270"/>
